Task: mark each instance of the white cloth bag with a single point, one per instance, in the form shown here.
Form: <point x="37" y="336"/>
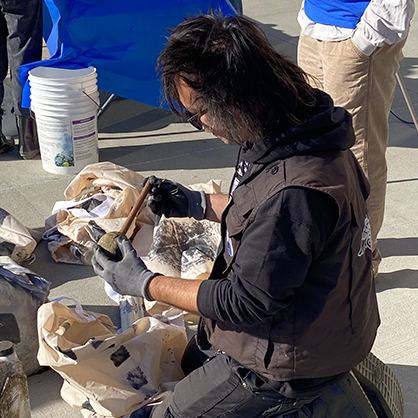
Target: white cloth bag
<point x="106" y="373"/>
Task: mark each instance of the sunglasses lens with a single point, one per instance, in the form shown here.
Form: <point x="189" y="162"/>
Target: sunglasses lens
<point x="197" y="124"/>
<point x="194" y="120"/>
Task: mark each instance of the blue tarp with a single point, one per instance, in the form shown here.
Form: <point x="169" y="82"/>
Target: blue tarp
<point x="121" y="38"/>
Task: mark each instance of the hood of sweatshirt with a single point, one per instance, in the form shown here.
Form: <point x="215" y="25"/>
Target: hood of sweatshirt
<point x="329" y="128"/>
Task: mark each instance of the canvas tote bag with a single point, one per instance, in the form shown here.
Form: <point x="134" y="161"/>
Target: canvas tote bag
<point x="16" y="241"/>
<point x="105" y="373"/>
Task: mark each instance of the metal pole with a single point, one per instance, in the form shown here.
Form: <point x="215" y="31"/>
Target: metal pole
<point x="407" y="99"/>
<point x="105" y="104"/>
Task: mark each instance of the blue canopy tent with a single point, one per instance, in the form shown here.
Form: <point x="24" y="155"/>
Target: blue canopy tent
<point x="122" y="39"/>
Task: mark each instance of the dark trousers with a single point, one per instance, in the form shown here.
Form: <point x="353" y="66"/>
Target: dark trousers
<point x="20" y="43"/>
<point x="223" y="388"/>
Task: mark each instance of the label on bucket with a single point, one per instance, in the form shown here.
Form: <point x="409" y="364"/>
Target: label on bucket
<point x="67" y="145"/>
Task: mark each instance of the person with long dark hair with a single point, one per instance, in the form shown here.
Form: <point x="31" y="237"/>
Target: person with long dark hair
<point x="290" y="307"/>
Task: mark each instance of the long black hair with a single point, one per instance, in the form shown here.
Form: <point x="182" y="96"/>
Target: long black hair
<point x="234" y="70"/>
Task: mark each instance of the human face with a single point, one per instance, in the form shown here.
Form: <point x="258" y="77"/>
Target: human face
<point x="196" y="113"/>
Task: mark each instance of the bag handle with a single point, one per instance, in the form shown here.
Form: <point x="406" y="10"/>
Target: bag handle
<point x="78" y="308"/>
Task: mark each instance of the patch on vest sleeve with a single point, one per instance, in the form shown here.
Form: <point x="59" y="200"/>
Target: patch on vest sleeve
<point x="366" y="237"/>
<point x="229" y="246"/>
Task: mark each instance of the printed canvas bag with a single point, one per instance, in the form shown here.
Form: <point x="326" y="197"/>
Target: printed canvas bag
<point x="16" y="241"/>
<point x="103" y="193"/>
<point x="106" y="373"/>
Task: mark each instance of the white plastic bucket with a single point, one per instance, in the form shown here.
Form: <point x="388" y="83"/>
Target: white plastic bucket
<point x="65" y="105"/>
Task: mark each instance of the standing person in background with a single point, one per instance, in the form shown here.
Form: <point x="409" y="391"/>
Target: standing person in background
<point x="353" y="50"/>
<point x="20" y="43"/>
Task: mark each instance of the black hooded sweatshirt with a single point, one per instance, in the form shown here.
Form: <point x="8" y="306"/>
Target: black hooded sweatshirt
<point x="289" y="231"/>
<point x="304" y="217"/>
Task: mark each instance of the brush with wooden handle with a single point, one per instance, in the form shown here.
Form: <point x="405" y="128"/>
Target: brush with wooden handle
<point x="108" y="241"/>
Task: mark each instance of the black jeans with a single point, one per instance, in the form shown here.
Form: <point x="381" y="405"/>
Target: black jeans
<point x="224" y="388"/>
<point x="20" y="43"/>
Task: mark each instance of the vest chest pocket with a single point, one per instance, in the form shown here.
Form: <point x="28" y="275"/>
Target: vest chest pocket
<point x="236" y="223"/>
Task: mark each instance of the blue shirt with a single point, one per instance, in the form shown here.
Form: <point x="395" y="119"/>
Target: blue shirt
<point x="342" y="13"/>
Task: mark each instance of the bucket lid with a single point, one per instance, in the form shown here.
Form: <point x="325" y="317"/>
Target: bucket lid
<point x="6" y="348"/>
<point x="58" y="78"/>
<point x="64" y="84"/>
<point x="59" y="74"/>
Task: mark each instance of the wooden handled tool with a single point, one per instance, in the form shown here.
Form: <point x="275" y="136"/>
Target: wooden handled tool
<point x="108" y="240"/>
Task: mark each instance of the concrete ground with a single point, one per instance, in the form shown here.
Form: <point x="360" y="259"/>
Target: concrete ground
<point x="152" y="141"/>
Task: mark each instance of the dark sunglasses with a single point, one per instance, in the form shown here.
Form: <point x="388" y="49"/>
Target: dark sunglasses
<point x="194" y="118"/>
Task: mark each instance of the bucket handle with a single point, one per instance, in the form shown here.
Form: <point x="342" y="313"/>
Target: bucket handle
<point x="94" y="101"/>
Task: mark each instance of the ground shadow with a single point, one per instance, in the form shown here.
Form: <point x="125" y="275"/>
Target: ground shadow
<point x="125" y="115"/>
<point x="406" y="278"/>
<point x="390" y="247"/>
<point x="176" y="155"/>
<point x="402" y="180"/>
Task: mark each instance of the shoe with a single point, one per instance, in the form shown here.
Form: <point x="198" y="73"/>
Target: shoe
<point x="28" y="137"/>
<point x="381" y="387"/>
<point x="7" y="143"/>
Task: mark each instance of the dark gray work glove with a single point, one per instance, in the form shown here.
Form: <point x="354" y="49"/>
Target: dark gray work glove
<point x="128" y="276"/>
<point x="174" y="200"/>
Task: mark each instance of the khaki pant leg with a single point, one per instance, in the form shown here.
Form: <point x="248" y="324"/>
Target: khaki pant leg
<point x="364" y="86"/>
<point x="310" y="60"/>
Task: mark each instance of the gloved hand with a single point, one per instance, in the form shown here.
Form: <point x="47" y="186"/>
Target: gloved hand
<point x="174" y="200"/>
<point x="129" y="276"/>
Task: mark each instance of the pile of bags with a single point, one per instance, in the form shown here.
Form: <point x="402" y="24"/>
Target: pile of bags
<point x="100" y="198"/>
<point x="106" y="373"/>
<point x="22" y="291"/>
